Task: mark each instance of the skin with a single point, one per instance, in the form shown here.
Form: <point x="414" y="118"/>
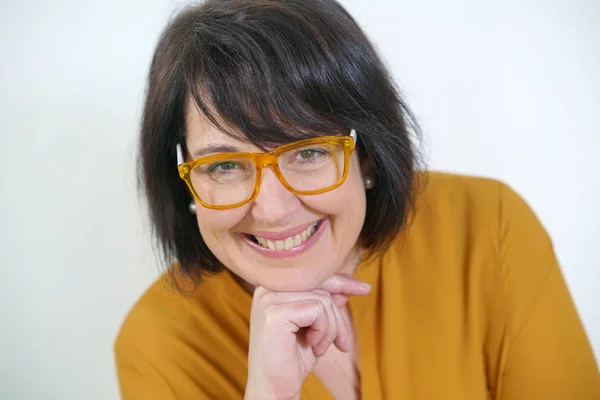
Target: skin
<point x="297" y="301"/>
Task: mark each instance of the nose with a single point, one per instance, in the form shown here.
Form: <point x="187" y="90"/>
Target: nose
<point x="274" y="205"/>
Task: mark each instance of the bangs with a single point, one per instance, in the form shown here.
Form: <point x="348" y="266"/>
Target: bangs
<point x="270" y="76"/>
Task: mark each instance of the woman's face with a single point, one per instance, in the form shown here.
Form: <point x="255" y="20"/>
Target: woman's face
<point x="280" y="216"/>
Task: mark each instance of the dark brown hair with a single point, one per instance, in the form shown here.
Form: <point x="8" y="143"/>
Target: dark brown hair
<point x="275" y="71"/>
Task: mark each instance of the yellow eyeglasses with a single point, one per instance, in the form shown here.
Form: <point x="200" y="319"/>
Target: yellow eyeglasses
<point x="228" y="180"/>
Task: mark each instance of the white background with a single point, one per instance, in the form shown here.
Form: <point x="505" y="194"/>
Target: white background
<point x="505" y="89"/>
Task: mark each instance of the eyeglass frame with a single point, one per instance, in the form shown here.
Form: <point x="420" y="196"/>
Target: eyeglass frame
<point x="264" y="160"/>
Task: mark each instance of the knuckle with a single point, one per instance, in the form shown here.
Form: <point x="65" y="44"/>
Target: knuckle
<point x="267" y="297"/>
<point x="259" y="292"/>
<point x="271" y="315"/>
<point x="326" y="301"/>
<point x="320" y="307"/>
<point x="323" y="296"/>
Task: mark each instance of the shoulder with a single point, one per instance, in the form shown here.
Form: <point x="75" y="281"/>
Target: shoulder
<point x="160" y="316"/>
<point x="174" y="329"/>
<point x="164" y="302"/>
<point x="153" y="311"/>
<point x="454" y="207"/>
<point x="173" y="304"/>
<point x="470" y="203"/>
<point x="473" y="227"/>
<point x="481" y="233"/>
<point x="446" y="191"/>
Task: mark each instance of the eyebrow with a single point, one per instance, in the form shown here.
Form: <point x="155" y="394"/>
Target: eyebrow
<point x="212" y="149"/>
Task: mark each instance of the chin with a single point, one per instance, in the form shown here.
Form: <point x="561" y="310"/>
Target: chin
<point x="292" y="279"/>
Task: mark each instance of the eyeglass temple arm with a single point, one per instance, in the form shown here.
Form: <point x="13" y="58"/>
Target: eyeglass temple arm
<point x="180" y="159"/>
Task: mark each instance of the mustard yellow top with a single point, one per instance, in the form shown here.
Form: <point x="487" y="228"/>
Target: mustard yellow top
<point x="468" y="303"/>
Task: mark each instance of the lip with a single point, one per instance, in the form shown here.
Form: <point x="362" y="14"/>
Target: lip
<point x="294" y="251"/>
<point x="283" y="234"/>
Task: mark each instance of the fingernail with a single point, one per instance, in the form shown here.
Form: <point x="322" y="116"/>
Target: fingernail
<point x="364" y="285"/>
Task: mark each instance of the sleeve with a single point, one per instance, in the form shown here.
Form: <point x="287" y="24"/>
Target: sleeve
<point x="156" y="360"/>
<point x="548" y="354"/>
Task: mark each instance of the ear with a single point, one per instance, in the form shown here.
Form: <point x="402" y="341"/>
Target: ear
<point x="367" y="171"/>
<point x="366" y="167"/>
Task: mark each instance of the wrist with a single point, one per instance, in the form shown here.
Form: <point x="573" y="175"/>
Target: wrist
<point x="261" y="396"/>
<point x="264" y="392"/>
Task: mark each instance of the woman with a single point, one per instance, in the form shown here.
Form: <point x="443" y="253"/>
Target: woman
<point x="313" y="260"/>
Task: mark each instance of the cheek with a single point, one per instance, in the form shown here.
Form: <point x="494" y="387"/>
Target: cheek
<point x="215" y="222"/>
<point x="350" y="198"/>
<point x="346" y="202"/>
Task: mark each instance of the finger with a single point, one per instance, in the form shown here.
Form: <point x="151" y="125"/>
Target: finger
<point x="345" y="285"/>
<point x="342" y="341"/>
<point x="316" y="334"/>
<point x="263" y="298"/>
<point x="329" y="336"/>
<point x="321" y="332"/>
<point x="342" y="338"/>
<point x="339" y="300"/>
<point x="303" y="313"/>
<point x="332" y="332"/>
<point x="287" y="297"/>
<point x="259" y="292"/>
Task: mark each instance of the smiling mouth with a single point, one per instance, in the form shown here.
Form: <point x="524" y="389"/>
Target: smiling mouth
<point x="287" y="243"/>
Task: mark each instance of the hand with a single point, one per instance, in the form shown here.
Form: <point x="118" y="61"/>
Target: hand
<point x="289" y="331"/>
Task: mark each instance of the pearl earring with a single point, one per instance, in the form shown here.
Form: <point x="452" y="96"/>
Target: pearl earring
<point x="192" y="207"/>
<point x="369" y="182"/>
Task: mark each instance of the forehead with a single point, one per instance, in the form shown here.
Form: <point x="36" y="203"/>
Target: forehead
<point x="261" y="136"/>
<point x="201" y="132"/>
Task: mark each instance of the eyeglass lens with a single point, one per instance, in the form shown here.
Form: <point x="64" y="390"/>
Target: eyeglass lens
<point x="305" y="169"/>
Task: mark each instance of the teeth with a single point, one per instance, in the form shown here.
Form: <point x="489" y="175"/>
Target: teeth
<point x="290" y="242"/>
<point x="297" y="240"/>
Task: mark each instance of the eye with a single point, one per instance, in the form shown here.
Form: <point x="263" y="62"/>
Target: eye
<point x="308" y="154"/>
<point x="223" y="166"/>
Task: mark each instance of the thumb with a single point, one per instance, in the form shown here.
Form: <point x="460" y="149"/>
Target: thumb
<point x="345" y="285"/>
